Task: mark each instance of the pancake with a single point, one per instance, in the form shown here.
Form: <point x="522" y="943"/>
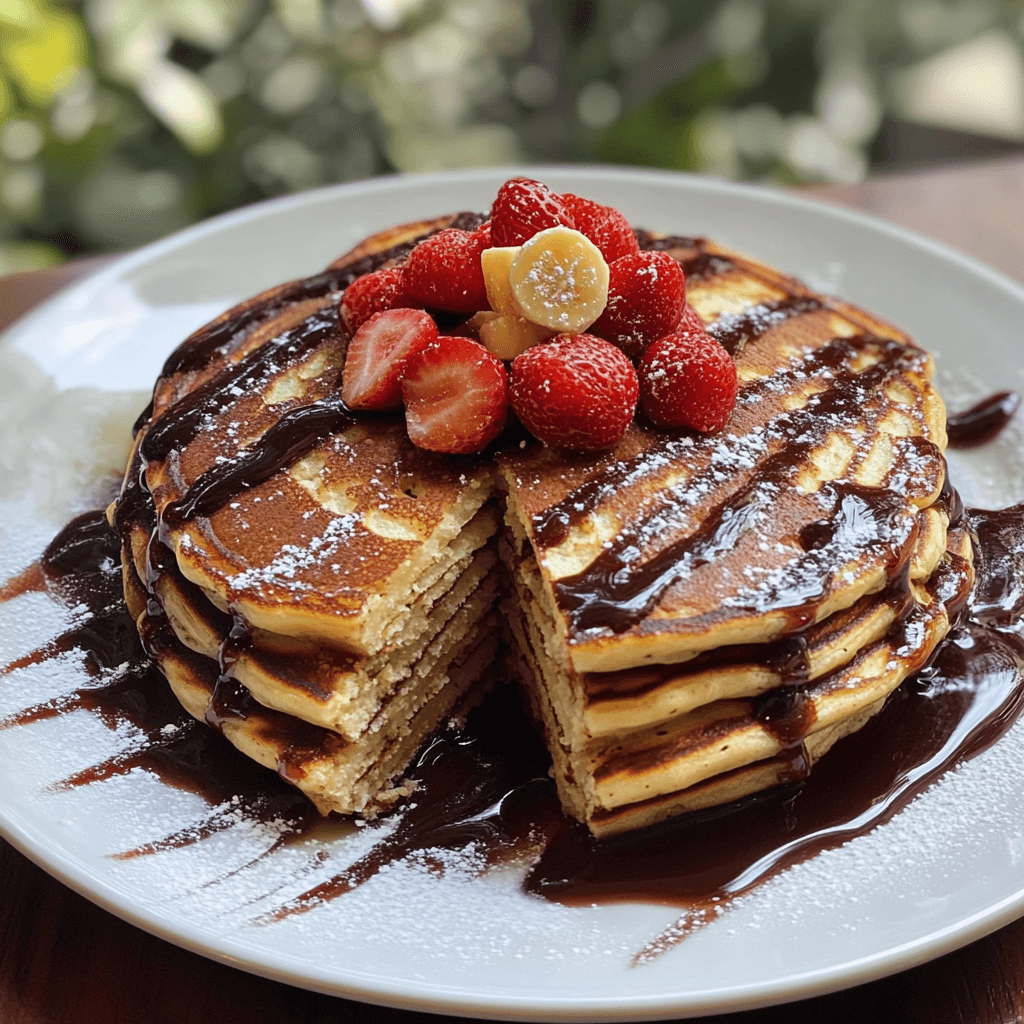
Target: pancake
<point x="312" y="583"/>
<point x="337" y="775"/>
<point x="669" y="545"/>
<point x="338" y="604"/>
<point x="668" y="590"/>
<point x="636" y="746"/>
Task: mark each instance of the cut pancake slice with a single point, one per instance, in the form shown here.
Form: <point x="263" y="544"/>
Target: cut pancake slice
<point x="315" y="586"/>
<point x="670" y="545"/>
<point x="323" y="685"/>
<point x="274" y="498"/>
<point x="672" y="595"/>
<point x="744" y="736"/>
<point x="348" y="775"/>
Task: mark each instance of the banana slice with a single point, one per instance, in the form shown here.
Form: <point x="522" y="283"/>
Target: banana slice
<point x="496" y="263"/>
<point x="508" y="336"/>
<point x="477" y="320"/>
<point x="559" y="279"/>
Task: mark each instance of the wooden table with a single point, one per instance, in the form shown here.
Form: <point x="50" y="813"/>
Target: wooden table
<point x="64" y="960"/>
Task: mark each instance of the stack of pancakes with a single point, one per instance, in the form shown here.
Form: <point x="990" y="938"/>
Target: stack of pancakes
<point x="328" y="617"/>
<point x="693" y="618"/>
<point x="699" y="618"/>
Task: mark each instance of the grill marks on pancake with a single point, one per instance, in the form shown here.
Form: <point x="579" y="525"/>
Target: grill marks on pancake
<point x="290" y="439"/>
<point x="183" y="420"/>
<point x="737" y="330"/>
<point x="608" y="594"/>
<point x="551" y="527"/>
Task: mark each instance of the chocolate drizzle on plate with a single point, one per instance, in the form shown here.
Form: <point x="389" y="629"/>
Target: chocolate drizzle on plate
<point x="981" y="422"/>
<point x="487" y="786"/>
<point x="81" y="569"/>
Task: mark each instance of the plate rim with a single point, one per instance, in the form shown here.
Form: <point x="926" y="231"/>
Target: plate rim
<point x="397" y="182"/>
<point x="415" y="996"/>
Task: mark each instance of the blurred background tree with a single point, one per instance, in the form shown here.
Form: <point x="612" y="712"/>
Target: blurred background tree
<point x="123" y="120"/>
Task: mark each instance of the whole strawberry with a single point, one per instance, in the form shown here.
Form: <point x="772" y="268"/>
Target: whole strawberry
<point x="443" y="271"/>
<point x="574" y="391"/>
<point x="646" y="296"/>
<point x="687" y="380"/>
<point x="370" y="294"/>
<point x="522" y="208"/>
<point x="691" y="320"/>
<point x="605" y="226"/>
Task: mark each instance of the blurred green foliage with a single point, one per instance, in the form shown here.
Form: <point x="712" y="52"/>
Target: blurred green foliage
<point x="123" y="120"/>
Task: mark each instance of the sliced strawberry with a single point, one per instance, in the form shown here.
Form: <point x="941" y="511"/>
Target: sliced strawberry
<point x="456" y="396"/>
<point x="378" y="355"/>
<point x="605" y="226"/>
<point x="646" y="296"/>
<point x="371" y="293"/>
<point x="688" y="380"/>
<point x="522" y="208"/>
<point x="574" y="391"/>
<point x="443" y="271"/>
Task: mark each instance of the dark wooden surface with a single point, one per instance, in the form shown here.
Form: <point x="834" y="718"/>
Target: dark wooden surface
<point x="64" y="960"/>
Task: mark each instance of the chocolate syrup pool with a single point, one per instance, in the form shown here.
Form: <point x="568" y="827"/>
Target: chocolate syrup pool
<point x="487" y="785"/>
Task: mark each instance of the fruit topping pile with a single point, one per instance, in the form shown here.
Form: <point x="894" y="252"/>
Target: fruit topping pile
<point x="557" y="287"/>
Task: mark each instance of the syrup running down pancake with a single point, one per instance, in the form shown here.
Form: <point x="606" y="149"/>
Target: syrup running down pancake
<point x="693" y="618"/>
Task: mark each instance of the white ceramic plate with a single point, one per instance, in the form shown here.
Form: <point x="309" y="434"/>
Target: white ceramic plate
<point x="72" y="376"/>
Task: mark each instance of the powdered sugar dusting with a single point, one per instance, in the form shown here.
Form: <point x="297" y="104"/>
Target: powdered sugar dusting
<point x="284" y="569"/>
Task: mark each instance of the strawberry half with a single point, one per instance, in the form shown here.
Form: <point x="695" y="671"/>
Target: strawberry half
<point x="443" y="271"/>
<point x="378" y="355"/>
<point x="574" y="391"/>
<point x="688" y="380"/>
<point x="371" y="293"/>
<point x="456" y="396"/>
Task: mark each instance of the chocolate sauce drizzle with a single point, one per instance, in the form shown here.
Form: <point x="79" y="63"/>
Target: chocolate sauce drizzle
<point x="982" y="422"/>
<point x="735" y="331"/>
<point x="291" y="438"/>
<point x="610" y="594"/>
<point x="553" y="526"/>
<point x="81" y="569"/>
<point x="488" y="784"/>
<point x="182" y="421"/>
